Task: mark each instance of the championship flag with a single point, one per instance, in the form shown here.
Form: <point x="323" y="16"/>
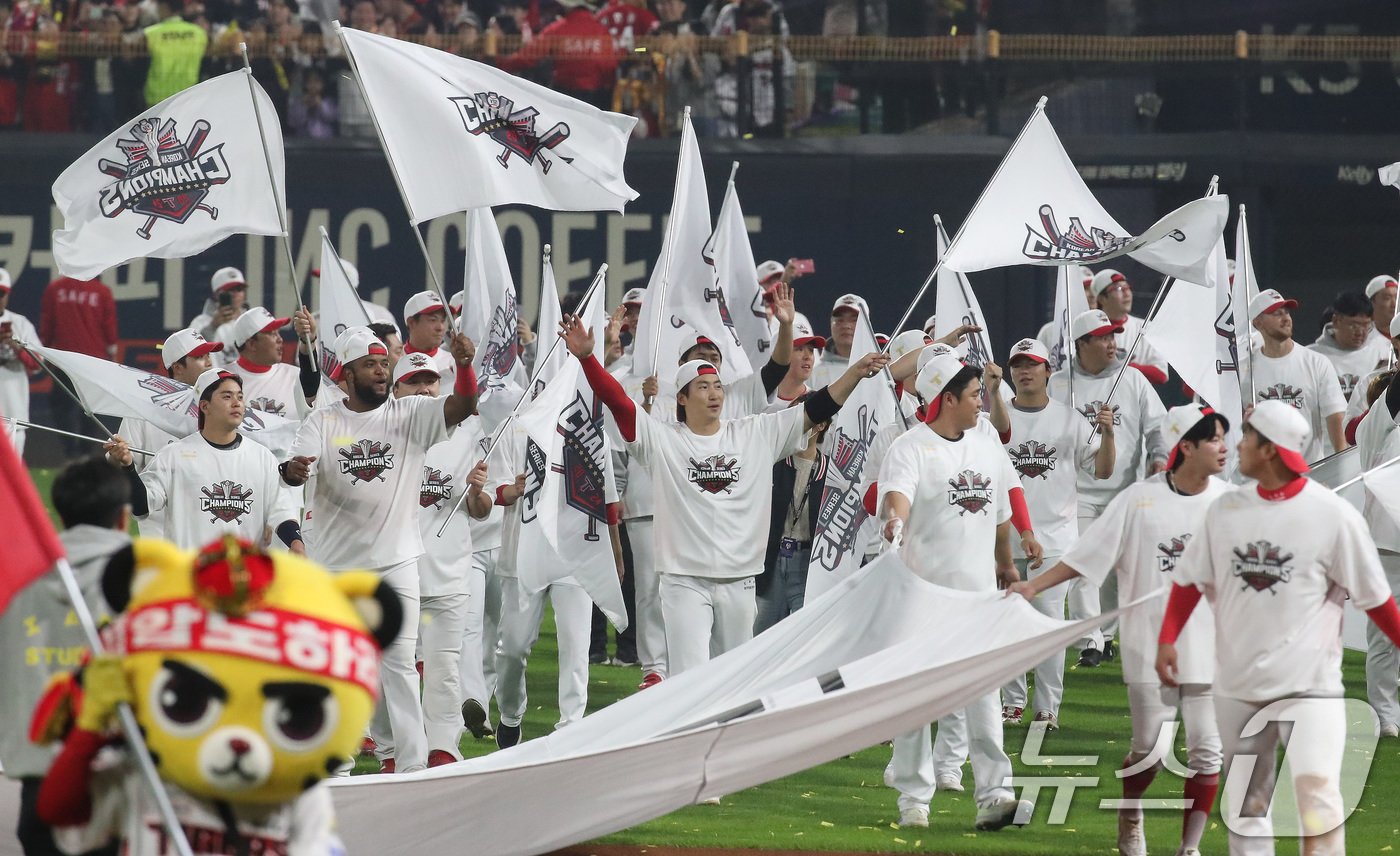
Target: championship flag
<point x="462" y="135"/>
<point x="340" y="308"/>
<point x="1243" y="289"/>
<point x="490" y="315"/>
<point x="1070" y="302"/>
<point x="683" y="289"/>
<point x="1185" y="331"/>
<point x="731" y="254"/>
<point x="564" y="532"/>
<point x="31" y="545"/>
<point x="1037" y="210"/>
<point x="837" y="547"/>
<point x="955" y="305"/>
<point x="118" y="390"/>
<point x="173" y="181"/>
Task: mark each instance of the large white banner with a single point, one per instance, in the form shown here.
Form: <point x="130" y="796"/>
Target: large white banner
<point x="173" y="181"/>
<point x="731" y="254"/>
<point x="1184" y="331"/>
<point x="955" y="304"/>
<point x="1070" y="303"/>
<point x="340" y="307"/>
<point x="490" y="314"/>
<point x="463" y="135"/>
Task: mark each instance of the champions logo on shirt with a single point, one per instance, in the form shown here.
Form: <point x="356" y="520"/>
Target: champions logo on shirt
<point x="1033" y="459"/>
<point x="436" y="488"/>
<point x="1168" y="552"/>
<point x="495" y="116"/>
<point x="163" y="178"/>
<point x="1349" y="382"/>
<point x="366" y="460"/>
<point x="1077" y="243"/>
<point x="1290" y="395"/>
<point x="226" y="501"/>
<point x="1090" y="412"/>
<point x="268" y="405"/>
<point x="970" y="491"/>
<point x="1262" y="565"/>
<point x="714" y="474"/>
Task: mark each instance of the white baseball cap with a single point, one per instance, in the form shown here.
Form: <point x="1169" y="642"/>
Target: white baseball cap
<point x="186" y="343"/>
<point x="454" y="303"/>
<point x="415" y="363"/>
<point x="423" y="301"/>
<point x="929" y="324"/>
<point x="226" y="278"/>
<point x="209" y="377"/>
<point x="253" y="322"/>
<point x="935" y="349"/>
<point x="5" y="282"/>
<point x="1104" y="280"/>
<point x="850" y="301"/>
<point x="802" y="335"/>
<point x="1086" y="274"/>
<point x="1095" y="322"/>
<point x="691" y="370"/>
<point x="908" y="342"/>
<point x="1267" y="301"/>
<point x="1180" y="420"/>
<point x="933" y="377"/>
<point x="767" y="270"/>
<point x="701" y="339"/>
<point x="357" y="342"/>
<point x="1030" y="348"/>
<point x="634" y="296"/>
<point x="1377" y="283"/>
<point x="1282" y="425"/>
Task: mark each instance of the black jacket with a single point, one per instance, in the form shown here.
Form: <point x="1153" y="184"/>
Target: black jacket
<point x="784" y="486"/>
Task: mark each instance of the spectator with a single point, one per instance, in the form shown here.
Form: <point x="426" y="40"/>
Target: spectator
<point x="177" y="50"/>
<point x="584" y="65"/>
<point x="79" y="316"/>
<point x="755" y="93"/>
<point x="466" y="36"/>
<point x="627" y="19"/>
<point x="690" y="75"/>
<point x="313" y="114"/>
<point x="513" y="19"/>
<point x="228" y="296"/>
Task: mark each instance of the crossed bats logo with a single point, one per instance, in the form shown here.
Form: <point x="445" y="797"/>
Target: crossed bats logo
<point x="971" y="491"/>
<point x="1033" y="459"/>
<point x="502" y="347"/>
<point x="1169" y="551"/>
<point x="1290" y="395"/>
<point x="1349" y="382"/>
<point x="1077" y="243"/>
<point x="1090" y="411"/>
<point x="436" y="488"/>
<point x="163" y="178"/>
<point x="714" y="474"/>
<point x="494" y="115"/>
<point x="1262" y="565"/>
<point x="366" y="460"/>
<point x="226" y="501"/>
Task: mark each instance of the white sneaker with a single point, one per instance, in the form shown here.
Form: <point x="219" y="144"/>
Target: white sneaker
<point x="1003" y="813"/>
<point x="949" y="782"/>
<point x="914" y="816"/>
<point x="1390" y="729"/>
<point x="1131" y="841"/>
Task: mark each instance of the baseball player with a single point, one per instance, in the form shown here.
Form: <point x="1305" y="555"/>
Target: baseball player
<point x="1140" y="537"/>
<point x="945" y="487"/>
<point x="186" y="355"/>
<point x="1276" y="560"/>
<point x="845" y="314"/>
<point x="16" y="364"/>
<point x="215" y="481"/>
<point x="425" y="318"/>
<point x="1299" y="377"/>
<point x="1111" y="292"/>
<point x="1049" y="445"/>
<point x="1347" y="344"/>
<point x="269" y="384"/>
<point x="365" y="499"/>
<point x="1358" y="404"/>
<point x="228" y="297"/>
<point x="1137" y="417"/>
<point x="711" y="475"/>
<point x="1381" y="290"/>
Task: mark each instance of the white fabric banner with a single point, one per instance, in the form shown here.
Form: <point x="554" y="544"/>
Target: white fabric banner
<point x="173" y="181"/>
<point x="1037" y="210"/>
<point x="731" y="254"/>
<point x="955" y="304"/>
<point x="490" y="315"/>
<point x="117" y="390"/>
<point x="683" y="297"/>
<point x="1244" y="289"/>
<point x="1070" y="303"/>
<point x="1184" y="331"/>
<point x="463" y="135"/>
<point x="1334" y="470"/>
<point x="339" y="307"/>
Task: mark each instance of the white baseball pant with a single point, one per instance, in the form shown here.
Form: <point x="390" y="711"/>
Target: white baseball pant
<point x="478" y="660"/>
<point x="520" y="627"/>
<point x="1382" y="657"/>
<point x="651" y="630"/>
<point x="1082" y="598"/>
<point x="1153" y="707"/>
<point x="705" y="617"/>
<point x="991" y="768"/>
<point x="1050" y="674"/>
<point x="1315" y="743"/>
<point x="397" y="725"/>
<point x="443" y="620"/>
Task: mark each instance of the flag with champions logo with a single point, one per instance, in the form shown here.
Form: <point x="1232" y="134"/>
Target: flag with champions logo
<point x="464" y="135"/>
<point x="173" y="181"/>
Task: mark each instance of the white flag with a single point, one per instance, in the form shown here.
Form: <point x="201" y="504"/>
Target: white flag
<point x="1070" y="302"/>
<point x="565" y="534"/>
<point x="340" y="307"/>
<point x="732" y="256"/>
<point x="118" y="390"/>
<point x="173" y="181"/>
<point x="837" y="547"/>
<point x="683" y="289"/>
<point x="1383" y="489"/>
<point x="1389" y="175"/>
<point x="490" y="314"/>
<point x="463" y="135"/>
<point x="1037" y="210"/>
<point x="955" y="305"/>
<point x="1184" y="331"/>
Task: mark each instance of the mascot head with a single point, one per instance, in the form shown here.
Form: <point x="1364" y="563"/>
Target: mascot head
<point x="253" y="675"/>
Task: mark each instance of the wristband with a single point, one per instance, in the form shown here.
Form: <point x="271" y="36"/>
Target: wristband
<point x="465" y="385"/>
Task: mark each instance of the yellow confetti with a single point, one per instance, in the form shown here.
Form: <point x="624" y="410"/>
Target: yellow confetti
<point x="1386" y="849"/>
<point x="827" y="824"/>
<point x="900" y="841"/>
<point x="343" y="441"/>
<point x="919" y="843"/>
<point x="899" y="231"/>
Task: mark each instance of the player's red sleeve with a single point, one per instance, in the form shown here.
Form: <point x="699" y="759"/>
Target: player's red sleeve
<point x="1005" y="437"/>
<point x="29" y="362"/>
<point x="1387" y="618"/>
<point x="1350" y="430"/>
<point x="1153" y="374"/>
<point x="614" y="513"/>
<point x="500" y="499"/>
<point x="1180" y="605"/>
<point x="1020" y="512"/>
<point x="872" y="496"/>
<point x="465" y="385"/>
<point x="624" y="410"/>
<point x="65" y="798"/>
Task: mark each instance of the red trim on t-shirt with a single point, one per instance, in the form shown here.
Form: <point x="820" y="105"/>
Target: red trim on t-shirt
<point x="409" y="349"/>
<point x="1288" y="491"/>
<point x="248" y="366"/>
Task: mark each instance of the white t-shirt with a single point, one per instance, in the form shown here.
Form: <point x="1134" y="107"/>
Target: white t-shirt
<point x="14" y="376"/>
<point x="276" y="390"/>
<point x="1306" y="380"/>
<point x="204" y="491"/>
<point x="369" y="469"/>
<point x="1049" y="448"/>
<point x="445" y="561"/>
<point x="141" y="434"/>
<point x="1276" y="574"/>
<point x="1377" y="442"/>
<point x="1351" y="365"/>
<point x="1137" y="427"/>
<point x="713" y="494"/>
<point x="1356" y="405"/>
<point x="1141" y="536"/>
<point x="959" y="492"/>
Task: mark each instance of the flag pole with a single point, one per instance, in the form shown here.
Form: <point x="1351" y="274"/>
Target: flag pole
<point x="669" y="244"/>
<point x="918" y="296"/>
<point x="61" y="432"/>
<point x="1066" y="327"/>
<point x="277" y="202"/>
<point x="69" y="392"/>
<point x="393" y="168"/>
<point x="1354" y="479"/>
<point x="1240" y="267"/>
<point x="598" y="279"/>
<point x="889" y="378"/>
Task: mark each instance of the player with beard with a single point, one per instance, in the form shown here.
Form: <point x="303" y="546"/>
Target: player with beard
<point x="364" y="501"/>
<point x="1299" y="377"/>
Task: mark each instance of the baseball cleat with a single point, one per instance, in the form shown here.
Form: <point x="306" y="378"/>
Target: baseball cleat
<point x="1012" y="715"/>
<point x="1131" y="841"/>
<point x="1390" y="729"/>
<point x="386" y="766"/>
<point x="948" y="782"/>
<point x="598" y="659"/>
<point x="1110" y="650"/>
<point x="651" y="679"/>
<point x="1004" y="813"/>
<point x="914" y="816"/>
<point x="1090" y="657"/>
<point x="1052" y="722"/>
<point x="507" y="735"/>
<point x="440" y="757"/>
<point x="475" y="719"/>
<point x="367" y="746"/>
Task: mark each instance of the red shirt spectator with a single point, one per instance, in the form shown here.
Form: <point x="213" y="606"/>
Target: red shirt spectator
<point x="79" y="315"/>
<point x="584" y="64"/>
<point x="627" y="19"/>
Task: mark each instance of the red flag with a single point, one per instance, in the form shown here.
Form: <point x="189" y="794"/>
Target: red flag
<point x="31" y="545"/>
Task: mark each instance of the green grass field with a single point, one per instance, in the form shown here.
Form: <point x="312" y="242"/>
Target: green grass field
<point x="844" y="806"/>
